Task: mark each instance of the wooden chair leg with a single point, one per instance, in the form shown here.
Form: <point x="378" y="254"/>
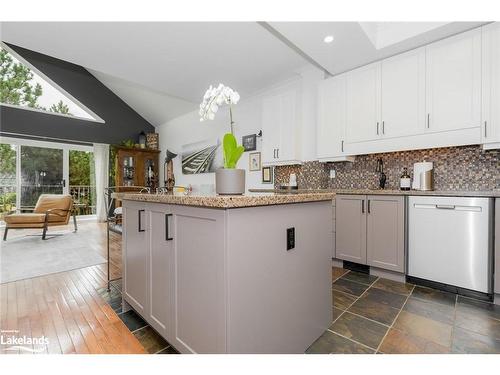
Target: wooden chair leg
<point x="44" y="233"/>
<point x="5" y="234"/>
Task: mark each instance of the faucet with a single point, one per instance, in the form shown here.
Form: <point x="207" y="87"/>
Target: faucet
<point x="380" y="169"/>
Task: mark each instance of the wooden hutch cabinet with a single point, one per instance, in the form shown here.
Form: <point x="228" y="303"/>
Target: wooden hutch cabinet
<point x="136" y="167"/>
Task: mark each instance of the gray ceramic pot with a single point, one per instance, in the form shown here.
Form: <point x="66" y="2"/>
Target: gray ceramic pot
<point x="230" y="181"/>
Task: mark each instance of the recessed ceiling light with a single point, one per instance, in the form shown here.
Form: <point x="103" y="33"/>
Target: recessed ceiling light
<point x="328" y="39"/>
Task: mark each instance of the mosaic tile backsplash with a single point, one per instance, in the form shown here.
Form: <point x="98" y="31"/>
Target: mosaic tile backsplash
<point x="455" y="168"/>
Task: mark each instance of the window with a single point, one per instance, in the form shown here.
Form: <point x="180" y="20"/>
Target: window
<point x="21" y="85"/>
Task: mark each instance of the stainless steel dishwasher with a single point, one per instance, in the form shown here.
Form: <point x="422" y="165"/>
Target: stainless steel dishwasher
<point x="450" y="241"/>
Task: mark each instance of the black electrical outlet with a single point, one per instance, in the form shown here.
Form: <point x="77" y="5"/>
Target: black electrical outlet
<point x="290" y="238"/>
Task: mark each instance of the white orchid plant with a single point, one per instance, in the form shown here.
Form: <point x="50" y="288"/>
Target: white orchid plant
<point x="214" y="98"/>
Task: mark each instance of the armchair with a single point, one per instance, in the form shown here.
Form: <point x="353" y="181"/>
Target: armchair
<point x="50" y="210"/>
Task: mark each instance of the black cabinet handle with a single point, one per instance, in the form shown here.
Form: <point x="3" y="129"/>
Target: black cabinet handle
<point x="342" y="146"/>
<point x="167" y="235"/>
<point x="368" y="206"/>
<point x="139" y="229"/>
<point x="274" y="154"/>
<point x="377" y="127"/>
<point x="277" y="153"/>
<point x="428" y="120"/>
<point x="383" y="129"/>
<point x="363" y="206"/>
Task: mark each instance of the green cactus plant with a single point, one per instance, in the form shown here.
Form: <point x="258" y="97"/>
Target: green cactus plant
<point x="232" y="152"/>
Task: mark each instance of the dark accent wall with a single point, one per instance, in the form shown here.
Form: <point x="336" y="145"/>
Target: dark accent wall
<point x="121" y="121"/>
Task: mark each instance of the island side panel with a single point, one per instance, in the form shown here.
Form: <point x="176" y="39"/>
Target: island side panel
<point x="279" y="300"/>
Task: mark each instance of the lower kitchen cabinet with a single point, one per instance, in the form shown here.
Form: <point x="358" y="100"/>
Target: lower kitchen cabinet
<point x="350" y="228"/>
<point x="161" y="268"/>
<point x="370" y="230"/>
<point x="385" y="232"/>
<point x="135" y="263"/>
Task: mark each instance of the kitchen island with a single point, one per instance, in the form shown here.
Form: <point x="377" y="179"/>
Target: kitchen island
<point x="230" y="274"/>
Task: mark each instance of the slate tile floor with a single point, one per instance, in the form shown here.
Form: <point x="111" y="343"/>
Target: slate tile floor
<point x="374" y="315"/>
<point x="147" y="336"/>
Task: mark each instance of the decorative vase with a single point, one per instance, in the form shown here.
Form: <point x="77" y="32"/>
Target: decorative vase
<point x="230" y="181"/>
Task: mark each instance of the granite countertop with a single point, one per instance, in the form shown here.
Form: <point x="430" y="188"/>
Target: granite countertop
<point x="454" y="193"/>
<point x="228" y="201"/>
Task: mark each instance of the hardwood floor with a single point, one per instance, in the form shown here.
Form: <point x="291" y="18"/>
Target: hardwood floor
<point x="66" y="307"/>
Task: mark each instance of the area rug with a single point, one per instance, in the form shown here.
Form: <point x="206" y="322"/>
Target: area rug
<point x="30" y="256"/>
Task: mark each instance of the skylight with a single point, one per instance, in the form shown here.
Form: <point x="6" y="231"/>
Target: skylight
<point x="22" y="85"/>
<point x="385" y="34"/>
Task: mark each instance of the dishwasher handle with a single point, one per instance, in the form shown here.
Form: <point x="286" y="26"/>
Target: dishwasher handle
<point x="445" y="206"/>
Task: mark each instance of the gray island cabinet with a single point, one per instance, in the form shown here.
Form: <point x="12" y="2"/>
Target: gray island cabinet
<point x="218" y="275"/>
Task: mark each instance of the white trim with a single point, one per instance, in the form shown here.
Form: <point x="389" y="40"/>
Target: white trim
<point x="65" y="170"/>
<point x="46" y="144"/>
<point x="18" y="176"/>
<point x="95" y="117"/>
<point x="99" y="121"/>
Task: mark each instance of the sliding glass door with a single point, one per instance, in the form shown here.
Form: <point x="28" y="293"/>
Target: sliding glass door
<point x="30" y="168"/>
<point x="41" y="173"/>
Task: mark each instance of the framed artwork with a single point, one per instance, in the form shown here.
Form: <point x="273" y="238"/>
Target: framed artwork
<point x="202" y="157"/>
<point x="249" y="142"/>
<point x="254" y="161"/>
<point x="267" y="175"/>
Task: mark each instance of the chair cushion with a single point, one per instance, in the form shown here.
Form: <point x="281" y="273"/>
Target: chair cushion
<point x="51" y="201"/>
<point x="32" y="218"/>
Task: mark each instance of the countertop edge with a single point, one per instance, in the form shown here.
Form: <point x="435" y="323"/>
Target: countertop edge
<point x="227" y="202"/>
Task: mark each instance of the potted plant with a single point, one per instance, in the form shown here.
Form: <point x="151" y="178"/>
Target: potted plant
<point x="228" y="180"/>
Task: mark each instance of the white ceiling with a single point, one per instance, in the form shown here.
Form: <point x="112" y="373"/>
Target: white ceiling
<point x="176" y="58"/>
<point x="162" y="69"/>
<point x="154" y="106"/>
<point x="352" y="46"/>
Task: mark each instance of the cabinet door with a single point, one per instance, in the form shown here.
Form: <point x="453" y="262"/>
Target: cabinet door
<point x="403" y="94"/>
<point x="161" y="269"/>
<point x="271" y="123"/>
<point x="453" y="83"/>
<point x="385" y="232"/>
<point x="287" y="150"/>
<point x="331" y="118"/>
<point x="199" y="310"/>
<point x="363" y="106"/>
<point x="490" y="132"/>
<point x="279" y="128"/>
<point x="135" y="256"/>
<point x="350" y="228"/>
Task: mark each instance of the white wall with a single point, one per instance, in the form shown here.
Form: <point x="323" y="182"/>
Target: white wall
<point x="247" y="116"/>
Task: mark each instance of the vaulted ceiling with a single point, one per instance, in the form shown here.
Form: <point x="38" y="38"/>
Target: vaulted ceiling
<point x="162" y="69"/>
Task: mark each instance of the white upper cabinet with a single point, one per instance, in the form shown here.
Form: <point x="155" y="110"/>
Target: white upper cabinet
<point x="440" y="95"/>
<point x="453" y="83"/>
<point x="490" y="130"/>
<point x="330" y="135"/>
<point x="403" y="94"/>
<point x="271" y="108"/>
<point x="280" y="126"/>
<point x="362" y="104"/>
